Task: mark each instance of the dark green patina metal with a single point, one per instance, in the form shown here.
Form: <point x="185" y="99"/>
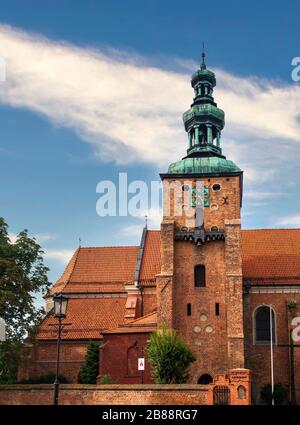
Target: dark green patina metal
<point x="210" y="165"/>
<point x="203" y="122"/>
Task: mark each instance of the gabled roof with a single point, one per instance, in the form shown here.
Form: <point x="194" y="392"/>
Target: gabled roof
<point x="151" y="263"/>
<point x="98" y="269"/>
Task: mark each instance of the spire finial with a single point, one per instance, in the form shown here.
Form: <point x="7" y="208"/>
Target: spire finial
<point x="203" y="65"/>
<point x="146" y="221"/>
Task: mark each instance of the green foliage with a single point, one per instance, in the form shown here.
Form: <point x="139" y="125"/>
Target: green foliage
<point x="89" y="370"/>
<point x="280" y="393"/>
<point x="9" y="359"/>
<point x="169" y="356"/>
<point x="106" y="379"/>
<point x="22" y="276"/>
<point x="44" y="379"/>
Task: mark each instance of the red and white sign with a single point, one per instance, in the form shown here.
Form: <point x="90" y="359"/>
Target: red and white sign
<point x="141" y="363"/>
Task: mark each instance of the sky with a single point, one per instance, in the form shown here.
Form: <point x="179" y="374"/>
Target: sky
<point x="96" y="88"/>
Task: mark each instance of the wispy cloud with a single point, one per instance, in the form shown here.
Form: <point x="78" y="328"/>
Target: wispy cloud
<point x="108" y="96"/>
<point x="289" y="221"/>
<point x="129" y="109"/>
<point x="45" y="237"/>
<point x="61" y="255"/>
<point x="154" y="217"/>
<point x="40" y="237"/>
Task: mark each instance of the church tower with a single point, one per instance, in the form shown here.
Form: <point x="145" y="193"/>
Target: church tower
<point x="199" y="289"/>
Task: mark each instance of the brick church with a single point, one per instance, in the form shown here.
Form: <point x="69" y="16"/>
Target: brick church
<point x="200" y="274"/>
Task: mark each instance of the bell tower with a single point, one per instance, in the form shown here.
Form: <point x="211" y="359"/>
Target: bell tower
<point x="199" y="289"/>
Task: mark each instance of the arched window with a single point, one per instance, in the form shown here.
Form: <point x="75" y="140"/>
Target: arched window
<point x="262" y="325"/>
<point x="132" y="360"/>
<point x="241" y="392"/>
<point x="205" y="379"/>
<point x="199" y="275"/>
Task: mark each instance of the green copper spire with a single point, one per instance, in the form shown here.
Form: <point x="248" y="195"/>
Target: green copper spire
<point x="204" y="122"/>
<point x="203" y="65"/>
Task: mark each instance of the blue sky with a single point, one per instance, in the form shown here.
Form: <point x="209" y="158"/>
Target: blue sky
<point x="95" y="88"/>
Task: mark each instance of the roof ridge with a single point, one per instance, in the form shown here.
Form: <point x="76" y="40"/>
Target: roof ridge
<point x="74" y="265"/>
<point x="65" y="282"/>
<point x="109" y="246"/>
<point x="271" y="228"/>
<point x="142" y="317"/>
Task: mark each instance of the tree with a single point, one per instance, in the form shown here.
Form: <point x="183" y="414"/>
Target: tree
<point x="22" y="275"/>
<point x="169" y="356"/>
<point x="89" y="370"/>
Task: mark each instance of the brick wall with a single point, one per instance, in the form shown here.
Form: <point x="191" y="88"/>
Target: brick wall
<point x="217" y="340"/>
<point x="108" y="394"/>
<point x="41" y="360"/>
<point x="119" y="357"/>
<point x="258" y="356"/>
<point x="128" y="394"/>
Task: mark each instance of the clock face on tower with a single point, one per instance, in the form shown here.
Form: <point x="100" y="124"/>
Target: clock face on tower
<point x="200" y="197"/>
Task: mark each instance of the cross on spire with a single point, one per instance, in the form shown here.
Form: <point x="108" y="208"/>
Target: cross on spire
<point x="203" y="65"/>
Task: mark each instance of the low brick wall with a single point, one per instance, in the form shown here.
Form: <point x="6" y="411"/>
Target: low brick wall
<point x="234" y="388"/>
<point x="76" y="394"/>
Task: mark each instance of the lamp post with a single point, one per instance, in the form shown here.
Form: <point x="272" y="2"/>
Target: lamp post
<point x="60" y="308"/>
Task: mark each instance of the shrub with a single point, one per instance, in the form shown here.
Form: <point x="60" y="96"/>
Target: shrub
<point x="44" y="379"/>
<point x="169" y="356"/>
<point x="89" y="370"/>
<point x="106" y="379"/>
<point x="280" y="393"/>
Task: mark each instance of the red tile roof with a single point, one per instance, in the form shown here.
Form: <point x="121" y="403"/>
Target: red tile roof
<point x="271" y="255"/>
<point x="146" y="323"/>
<point x="88" y="318"/>
<point x="151" y="263"/>
<point x="99" y="269"/>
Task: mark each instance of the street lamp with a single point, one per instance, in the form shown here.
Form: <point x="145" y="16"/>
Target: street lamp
<point x="60" y="308"/>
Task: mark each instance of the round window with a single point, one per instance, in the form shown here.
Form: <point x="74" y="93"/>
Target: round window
<point x="216" y="187"/>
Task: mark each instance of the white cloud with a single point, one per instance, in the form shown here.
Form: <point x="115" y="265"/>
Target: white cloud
<point x="12" y="236"/>
<point x="258" y="196"/>
<point x="289" y="221"/>
<point x="45" y="237"/>
<point x="133" y="230"/>
<point x="40" y="237"/>
<point x="60" y="255"/>
<point x="154" y="217"/>
<point x="129" y="110"/>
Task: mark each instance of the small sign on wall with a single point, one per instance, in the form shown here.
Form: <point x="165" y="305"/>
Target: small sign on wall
<point x="141" y="363"/>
